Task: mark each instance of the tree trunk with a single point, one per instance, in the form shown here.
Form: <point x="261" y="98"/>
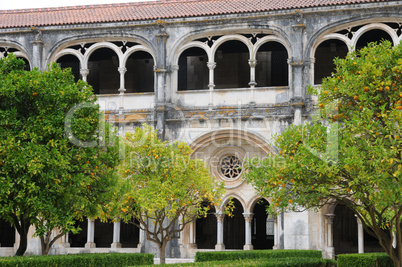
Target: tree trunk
<point x="162" y="255"/>
<point x="22" y="226"/>
<point x="44" y="242"/>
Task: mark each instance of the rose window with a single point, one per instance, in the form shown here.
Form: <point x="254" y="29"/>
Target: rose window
<point x="231" y="167"/>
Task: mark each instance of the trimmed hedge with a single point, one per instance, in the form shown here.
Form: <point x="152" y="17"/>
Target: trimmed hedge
<point x="365" y="260"/>
<point x="255" y="254"/>
<point x="94" y="260"/>
<point x="260" y="262"/>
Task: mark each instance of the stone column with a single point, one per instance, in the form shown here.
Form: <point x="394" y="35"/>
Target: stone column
<point x="252" y="63"/>
<point x="276" y="233"/>
<point x="84" y="74"/>
<point x="65" y="240"/>
<point x="296" y="70"/>
<point x="116" y="235"/>
<point x="252" y="83"/>
<point x="160" y="78"/>
<point x="330" y="242"/>
<point x="37" y="49"/>
<point x="360" y="235"/>
<point x="248" y="217"/>
<point x="192" y="235"/>
<point x="220" y="246"/>
<point x="122" y="71"/>
<point x="211" y="85"/>
<point x="90" y="234"/>
<point x="175" y="82"/>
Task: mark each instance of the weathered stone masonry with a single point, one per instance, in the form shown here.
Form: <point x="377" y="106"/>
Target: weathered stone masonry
<point x="225" y="84"/>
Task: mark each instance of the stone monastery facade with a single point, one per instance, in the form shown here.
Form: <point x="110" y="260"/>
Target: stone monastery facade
<point x="221" y="75"/>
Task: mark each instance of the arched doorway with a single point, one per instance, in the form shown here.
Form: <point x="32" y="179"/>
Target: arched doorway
<point x="103" y="71"/>
<point x="234" y="228"/>
<point x="272" y="65"/>
<point x="262" y="226"/>
<point x="7" y="234"/>
<point x="205" y="230"/>
<point x="72" y="62"/>
<point x="193" y="70"/>
<point x="103" y="237"/>
<point x="79" y="239"/>
<point x="129" y="235"/>
<point x="232" y="68"/>
<point x="139" y="77"/>
<point x="345" y="233"/>
<point x="325" y="54"/>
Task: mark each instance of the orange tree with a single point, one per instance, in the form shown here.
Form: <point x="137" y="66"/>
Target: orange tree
<point x="350" y="152"/>
<point x="162" y="187"/>
<point x="52" y="170"/>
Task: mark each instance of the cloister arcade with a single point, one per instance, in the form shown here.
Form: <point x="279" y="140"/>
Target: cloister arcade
<point x="227" y="89"/>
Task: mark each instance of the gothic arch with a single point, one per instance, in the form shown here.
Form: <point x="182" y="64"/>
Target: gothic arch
<point x="97" y="46"/>
<point x="232" y="37"/>
<point x="136" y="48"/>
<point x="192" y="44"/>
<point x="69" y="51"/>
<point x="271" y="38"/>
<point x="232" y="134"/>
<point x="20" y="53"/>
<point x="87" y="39"/>
<point x="375" y="26"/>
<point x="332" y="28"/>
<point x="227" y="198"/>
<point x="253" y="201"/>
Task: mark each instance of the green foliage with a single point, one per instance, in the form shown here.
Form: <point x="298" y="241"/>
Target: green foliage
<point x="48" y="180"/>
<point x="95" y="260"/>
<point x="161" y="186"/>
<point x="351" y="151"/>
<point x="365" y="260"/>
<point x="281" y="262"/>
<point x="256" y="254"/>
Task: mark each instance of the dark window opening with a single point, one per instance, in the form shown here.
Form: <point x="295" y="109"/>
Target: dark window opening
<point x="27" y="66"/>
<point x="232" y="68"/>
<point x="193" y="70"/>
<point x="139" y="76"/>
<point x="372" y="36"/>
<point x="7" y="234"/>
<point x="104" y="76"/>
<point x="72" y="62"/>
<point x="103" y="237"/>
<point x="262" y="226"/>
<point x="129" y="235"/>
<point x="272" y="65"/>
<point x="80" y="239"/>
<point x="206" y="227"/>
<point x="234" y="228"/>
<point x="325" y="54"/>
<point x="345" y="233"/>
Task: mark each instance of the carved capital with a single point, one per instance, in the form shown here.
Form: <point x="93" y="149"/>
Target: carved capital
<point x="296" y="63"/>
<point x="122" y="70"/>
<point x="330" y="218"/>
<point x="211" y="65"/>
<point x="220" y="216"/>
<point x="175" y="67"/>
<point x="84" y="72"/>
<point x="300" y="26"/>
<point x="252" y="63"/>
<point x="248" y="217"/>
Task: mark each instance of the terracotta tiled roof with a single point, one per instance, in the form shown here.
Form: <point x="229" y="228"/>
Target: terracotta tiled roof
<point x="162" y="9"/>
